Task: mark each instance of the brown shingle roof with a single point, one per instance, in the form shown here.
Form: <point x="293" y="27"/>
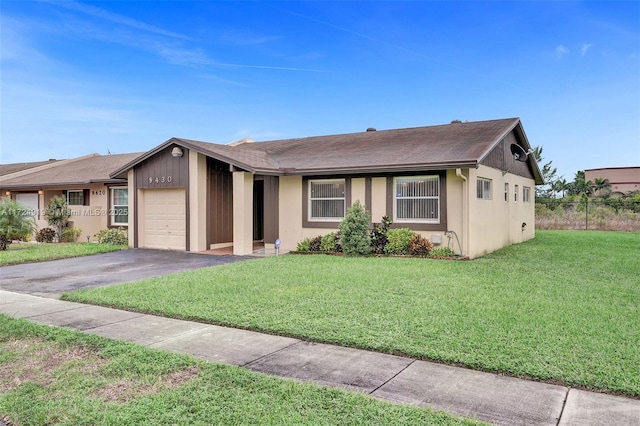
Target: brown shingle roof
<point x="418" y="148"/>
<point x="7" y="169"/>
<point x="94" y="168"/>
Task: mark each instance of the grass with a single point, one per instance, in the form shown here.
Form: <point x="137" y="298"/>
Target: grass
<point x="56" y="376"/>
<point x="29" y="253"/>
<point x="563" y="308"/>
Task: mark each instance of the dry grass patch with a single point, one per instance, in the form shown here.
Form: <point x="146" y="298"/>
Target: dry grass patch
<point x="36" y="360"/>
<point x="127" y="389"/>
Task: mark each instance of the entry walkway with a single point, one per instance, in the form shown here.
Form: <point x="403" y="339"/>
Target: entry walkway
<point x="497" y="399"/>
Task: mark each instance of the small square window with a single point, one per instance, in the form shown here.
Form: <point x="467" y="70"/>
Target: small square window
<point x="515" y="193"/>
<point x="506" y="192"/>
<point x="484" y="189"/>
<point x="526" y="194"/>
<point x="75" y="198"/>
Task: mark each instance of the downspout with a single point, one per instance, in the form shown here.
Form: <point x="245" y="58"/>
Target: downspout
<point x="465" y="211"/>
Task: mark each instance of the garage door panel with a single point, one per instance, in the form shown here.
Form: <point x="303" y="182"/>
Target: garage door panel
<point x="164" y="219"/>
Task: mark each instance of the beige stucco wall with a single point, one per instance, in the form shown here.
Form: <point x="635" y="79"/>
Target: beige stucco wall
<point x="242" y="213"/>
<point x="457" y="190"/>
<point x="197" y="201"/>
<point x="358" y="190"/>
<point x="496" y="223"/>
<point x="290" y="212"/>
<point x="378" y="198"/>
<point x="90" y="219"/>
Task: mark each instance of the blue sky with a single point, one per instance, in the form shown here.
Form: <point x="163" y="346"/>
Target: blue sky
<point x="84" y="77"/>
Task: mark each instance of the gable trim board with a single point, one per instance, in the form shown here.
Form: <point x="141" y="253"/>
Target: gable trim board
<point x="237" y="194"/>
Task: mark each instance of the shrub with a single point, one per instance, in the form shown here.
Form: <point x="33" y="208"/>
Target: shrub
<point x="57" y="214"/>
<point x="71" y="235"/>
<point x="304" y="245"/>
<point x="398" y="241"/>
<point x="379" y="235"/>
<point x="315" y="243"/>
<point x="331" y="243"/>
<point x="115" y="236"/>
<point x="354" y="231"/>
<point x="45" y="235"/>
<point x="442" y="252"/>
<point x="419" y="246"/>
<point x="13" y="223"/>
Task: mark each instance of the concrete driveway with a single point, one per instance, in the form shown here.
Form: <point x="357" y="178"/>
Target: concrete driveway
<point x="50" y="279"/>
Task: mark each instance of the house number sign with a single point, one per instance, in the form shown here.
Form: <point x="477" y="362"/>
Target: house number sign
<point x="159" y="179"/>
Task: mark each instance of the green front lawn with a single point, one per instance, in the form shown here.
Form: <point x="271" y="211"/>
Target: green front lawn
<point x="564" y="307"/>
<point x="56" y="376"/>
<point x="30" y="252"/>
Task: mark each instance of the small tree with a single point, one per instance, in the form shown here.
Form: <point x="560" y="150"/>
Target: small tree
<point x="354" y="231"/>
<point x="57" y="214"/>
<point x="14" y="223"/>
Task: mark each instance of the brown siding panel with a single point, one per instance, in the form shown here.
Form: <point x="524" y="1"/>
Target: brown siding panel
<point x="220" y="202"/>
<point x="501" y="158"/>
<point x="271" y="213"/>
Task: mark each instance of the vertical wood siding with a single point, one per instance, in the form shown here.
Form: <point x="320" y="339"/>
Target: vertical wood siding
<point x="220" y="202"/>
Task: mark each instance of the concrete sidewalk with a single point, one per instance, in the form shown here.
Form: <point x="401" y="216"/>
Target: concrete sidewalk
<point x="468" y="393"/>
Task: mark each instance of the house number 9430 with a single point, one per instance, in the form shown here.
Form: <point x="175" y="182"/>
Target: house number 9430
<point x="159" y="179"/>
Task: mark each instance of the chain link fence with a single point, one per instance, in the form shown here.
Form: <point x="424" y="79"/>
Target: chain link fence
<point x="614" y="214"/>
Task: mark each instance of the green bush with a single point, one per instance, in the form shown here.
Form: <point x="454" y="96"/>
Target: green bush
<point x="71" y="235"/>
<point x="115" y="236"/>
<point x="398" y="241"/>
<point x="420" y="246"/>
<point x="45" y="235"/>
<point x="330" y="243"/>
<point x="354" y="231"/>
<point x="304" y="245"/>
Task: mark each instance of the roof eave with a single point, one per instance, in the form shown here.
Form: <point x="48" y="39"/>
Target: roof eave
<point x="378" y="169"/>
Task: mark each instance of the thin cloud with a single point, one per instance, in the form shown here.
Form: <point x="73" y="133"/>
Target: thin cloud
<point x="585" y="48"/>
<point x="561" y="51"/>
<point x="117" y="19"/>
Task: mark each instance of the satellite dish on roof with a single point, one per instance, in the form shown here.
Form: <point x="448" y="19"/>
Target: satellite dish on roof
<point x="519" y="154"/>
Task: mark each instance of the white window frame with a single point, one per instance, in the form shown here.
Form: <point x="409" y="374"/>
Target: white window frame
<point x="115" y="207"/>
<point x="396" y="197"/>
<point x="506" y="191"/>
<point x="311" y="199"/>
<point x="526" y="194"/>
<point x="515" y="193"/>
<point x="70" y="191"/>
<point x="484" y="188"/>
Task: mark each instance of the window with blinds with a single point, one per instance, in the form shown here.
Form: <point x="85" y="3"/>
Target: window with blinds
<point x="417" y="199"/>
<point x="327" y="200"/>
<point x="484" y="189"/>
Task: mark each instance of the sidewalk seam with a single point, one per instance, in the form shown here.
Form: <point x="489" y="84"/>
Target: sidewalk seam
<point x="564" y="404"/>
<point x="394" y="376"/>
<point x="248" y="363"/>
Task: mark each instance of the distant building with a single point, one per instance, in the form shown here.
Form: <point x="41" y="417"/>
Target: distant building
<point x="623" y="180"/>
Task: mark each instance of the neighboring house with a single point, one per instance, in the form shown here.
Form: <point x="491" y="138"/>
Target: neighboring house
<point x="96" y="200"/>
<point x="7" y="169"/>
<point x="623" y="180"/>
<point x="456" y="181"/>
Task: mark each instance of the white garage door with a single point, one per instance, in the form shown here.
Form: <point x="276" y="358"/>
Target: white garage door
<point x="164" y="222"/>
<point x="30" y="202"/>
